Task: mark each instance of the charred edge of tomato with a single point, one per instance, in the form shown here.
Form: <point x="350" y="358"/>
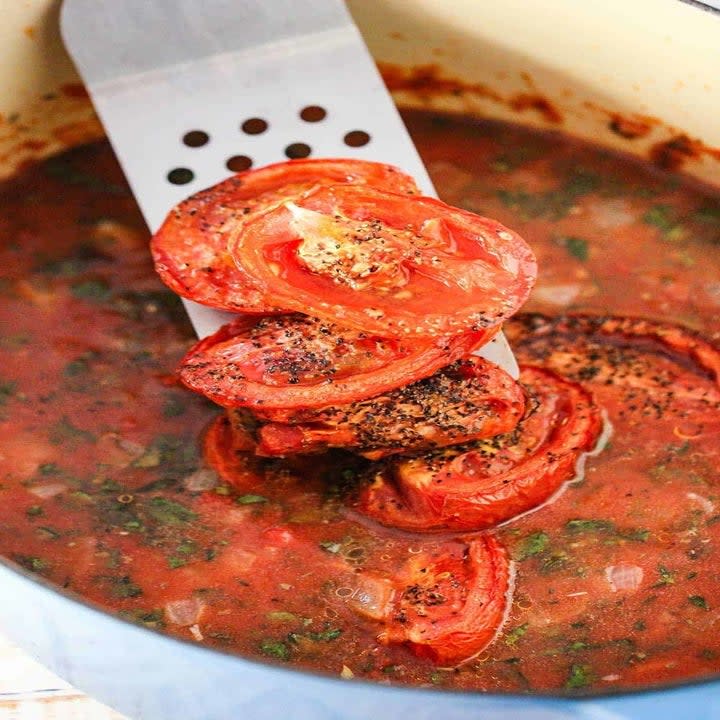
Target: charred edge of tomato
<point x="673" y="336"/>
<point x="227" y="449"/>
<point x="202" y="373"/>
<point x="491" y="402"/>
<point x="393" y="503"/>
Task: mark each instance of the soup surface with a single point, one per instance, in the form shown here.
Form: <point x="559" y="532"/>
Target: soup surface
<point x="104" y="489"/>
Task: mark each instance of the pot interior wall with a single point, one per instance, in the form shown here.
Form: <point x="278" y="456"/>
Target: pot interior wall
<point x="634" y="77"/>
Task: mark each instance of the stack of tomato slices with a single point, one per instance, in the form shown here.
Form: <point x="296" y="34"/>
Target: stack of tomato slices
<point x="359" y="306"/>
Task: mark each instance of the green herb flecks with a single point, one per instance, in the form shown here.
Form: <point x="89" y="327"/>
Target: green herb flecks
<point x="45" y="532"/>
<point x="177" y="456"/>
<point x="275" y="649"/>
<point x="584" y="526"/>
<point x="576" y="246"/>
<point x="184" y="552"/>
<point x="533" y="544"/>
<point x="282" y="616"/>
<point x="169" y="512"/>
<point x="33" y="563"/>
<point x="580" y="676"/>
<point x="76" y="367"/>
<point x="698" y="601"/>
<point x="667" y="577"/>
<point x="8" y="388"/>
<point x="124" y="587"/>
<point x="148" y="618"/>
<point x="95" y="290"/>
<point x="708" y="214"/>
<point x="553" y="562"/>
<point x="600" y="526"/>
<point x="301" y="639"/>
<point x="64" y="431"/>
<point x="515" y="634"/>
<point x="325" y="635"/>
<point x="664" y="218"/>
<point x="250" y="499"/>
<point x="554" y="204"/>
<point x="174" y="406"/>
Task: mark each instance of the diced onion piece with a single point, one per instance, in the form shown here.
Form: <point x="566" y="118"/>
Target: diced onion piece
<point x="624" y="577"/>
<point x="367" y="595"/>
<point x="201" y="480"/>
<point x="47" y="490"/>
<point x="237" y="559"/>
<point x="706" y="505"/>
<point x="184" y="612"/>
<point x="560" y="295"/>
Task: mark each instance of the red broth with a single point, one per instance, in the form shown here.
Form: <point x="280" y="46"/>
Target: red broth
<point x="103" y="488"/>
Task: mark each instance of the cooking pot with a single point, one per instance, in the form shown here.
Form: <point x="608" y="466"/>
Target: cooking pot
<point x="578" y="67"/>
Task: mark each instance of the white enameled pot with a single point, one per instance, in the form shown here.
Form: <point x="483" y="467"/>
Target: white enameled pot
<point x="652" y="60"/>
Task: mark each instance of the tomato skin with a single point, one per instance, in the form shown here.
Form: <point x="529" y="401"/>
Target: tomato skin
<point x="190" y="248"/>
<point x="227" y="447"/>
<point x="450" y="604"/>
<point x="381" y="263"/>
<point x="468" y="400"/>
<point x="562" y="343"/>
<point x="294" y="361"/>
<point x="481" y="484"/>
<point x="654" y="378"/>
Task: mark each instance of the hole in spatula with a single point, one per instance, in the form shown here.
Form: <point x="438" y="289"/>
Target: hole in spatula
<point x="313" y="113"/>
<point x="180" y="176"/>
<point x="196" y="138"/>
<point x="238" y="163"/>
<point x="254" y="126"/>
<point x="297" y="150"/>
<point x="356" y="138"/>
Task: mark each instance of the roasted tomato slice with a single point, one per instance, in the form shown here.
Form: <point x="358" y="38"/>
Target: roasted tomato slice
<point x="448" y="604"/>
<point x="190" y="249"/>
<point x="662" y="361"/>
<point x="468" y="400"/>
<point x="386" y="264"/>
<point x="480" y="484"/>
<point x="295" y="361"/>
<point x="657" y="381"/>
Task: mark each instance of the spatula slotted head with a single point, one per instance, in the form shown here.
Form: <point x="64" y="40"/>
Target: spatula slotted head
<point x="190" y="91"/>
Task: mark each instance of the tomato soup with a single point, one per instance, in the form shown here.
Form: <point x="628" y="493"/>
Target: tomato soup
<point x="105" y="488"/>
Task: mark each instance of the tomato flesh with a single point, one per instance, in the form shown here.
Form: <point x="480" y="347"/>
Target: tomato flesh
<point x="295" y="361"/>
<point x="480" y="484"/>
<point x="375" y="261"/>
<point x="468" y="400"/>
<point x="450" y="603"/>
<point x="190" y="248"/>
<point x="643" y="373"/>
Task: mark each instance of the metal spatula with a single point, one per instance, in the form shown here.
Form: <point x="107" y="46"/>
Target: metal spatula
<point x="191" y="90"/>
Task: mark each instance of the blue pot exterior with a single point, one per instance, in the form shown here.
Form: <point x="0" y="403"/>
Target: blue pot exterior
<point x="149" y="676"/>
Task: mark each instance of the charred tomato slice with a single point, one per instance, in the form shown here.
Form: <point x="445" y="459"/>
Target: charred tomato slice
<point x="468" y="400"/>
<point x="386" y="264"/>
<point x="658" y="382"/>
<point x="190" y="248"/>
<point x="295" y="361"/>
<point x="480" y="484"/>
